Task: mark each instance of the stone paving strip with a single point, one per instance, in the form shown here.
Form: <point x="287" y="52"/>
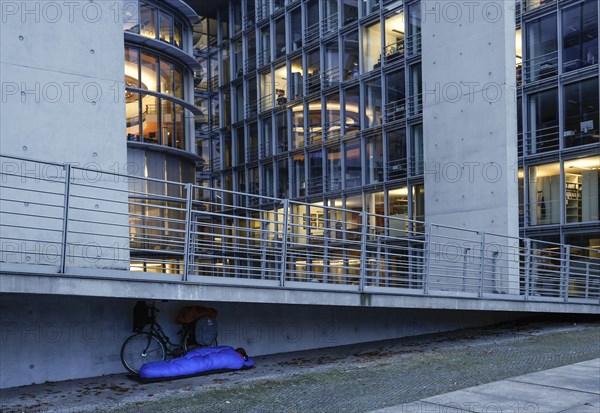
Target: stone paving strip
<point x="569" y="389"/>
<point x="357" y="378"/>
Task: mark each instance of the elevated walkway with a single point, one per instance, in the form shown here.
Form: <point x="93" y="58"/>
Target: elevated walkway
<point x="73" y="231"/>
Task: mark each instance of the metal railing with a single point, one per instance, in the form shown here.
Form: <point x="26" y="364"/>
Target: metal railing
<point x="542" y="140"/>
<point x="395" y="110"/>
<point x="311" y="33"/>
<point x="71" y="220"/>
<point x="394" y="51"/>
<point x="541" y="67"/>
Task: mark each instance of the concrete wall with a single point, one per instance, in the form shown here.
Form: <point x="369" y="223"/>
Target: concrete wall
<point x="54" y="338"/>
<point x="62" y="100"/>
<point x="469" y="119"/>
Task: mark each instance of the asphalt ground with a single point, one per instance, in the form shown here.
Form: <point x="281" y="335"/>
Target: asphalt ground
<point x="355" y="378"/>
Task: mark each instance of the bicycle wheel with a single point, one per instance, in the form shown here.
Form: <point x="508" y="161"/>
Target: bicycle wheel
<point x="141" y="348"/>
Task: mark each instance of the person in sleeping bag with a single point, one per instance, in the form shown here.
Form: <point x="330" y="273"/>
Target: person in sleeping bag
<point x="197" y="361"/>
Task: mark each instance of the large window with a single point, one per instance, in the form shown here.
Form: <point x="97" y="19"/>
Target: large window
<point x="371" y="47"/>
<point x="542" y="134"/>
<point x="581" y="189"/>
<point x="350" y="56"/>
<point x="581" y="113"/>
<point x="153" y="119"/>
<point x="396" y="154"/>
<point x="352" y="163"/>
<point x="334" y="169"/>
<point x="542" y="44"/>
<point x="152" y="22"/>
<point x="374" y="159"/>
<point x="351" y="109"/>
<point x="580" y="35"/>
<point x="395" y="108"/>
<point x="372" y="115"/>
<point x="544" y="194"/>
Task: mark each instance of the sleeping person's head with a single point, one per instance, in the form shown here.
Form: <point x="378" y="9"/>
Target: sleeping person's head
<point x="242" y="352"/>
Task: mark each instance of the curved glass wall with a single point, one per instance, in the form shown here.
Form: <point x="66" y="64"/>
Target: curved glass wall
<point x="154" y="117"/>
<point x="151" y="21"/>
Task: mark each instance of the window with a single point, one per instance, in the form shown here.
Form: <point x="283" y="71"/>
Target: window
<point x="372" y="112"/>
<point x="296" y="87"/>
<point x="148" y="21"/>
<point x="543" y="122"/>
<point x="394" y="36"/>
<point x="374" y="161"/>
<point x="544" y="194"/>
<point x="580" y="35"/>
<point x="395" y="108"/>
<point x="581" y="189"/>
<point x="542" y="55"/>
<point x="581" y="113"/>
<point x="351" y="109"/>
<point x="315" y="172"/>
<point x="352" y="163"/>
<point x="298" y="180"/>
<point x="280" y="38"/>
<point x="334" y="169"/>
<point x="313" y="66"/>
<point x="350" y="56"/>
<point x="416" y="150"/>
<point x="350" y="10"/>
<point x="282" y="178"/>
<point x="398" y="211"/>
<point x="413" y="42"/>
<point x="396" y="152"/>
<point x="296" y="29"/>
<point x="152" y="23"/>
<point x="332" y="124"/>
<point x="297" y="126"/>
<point x="267" y="137"/>
<point x="153" y="119"/>
<point x="267" y="180"/>
<point x="331" y="65"/>
<point x="371" y="47"/>
<point x="282" y="132"/>
<point x="166" y="27"/>
<point x="149" y="72"/>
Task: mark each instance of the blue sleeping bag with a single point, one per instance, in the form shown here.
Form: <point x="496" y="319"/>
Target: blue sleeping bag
<point x="197" y="361"/>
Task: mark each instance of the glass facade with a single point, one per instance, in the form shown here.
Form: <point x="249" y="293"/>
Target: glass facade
<point x="558" y="94"/>
<point x="337" y="86"/>
<point x="154" y="117"/>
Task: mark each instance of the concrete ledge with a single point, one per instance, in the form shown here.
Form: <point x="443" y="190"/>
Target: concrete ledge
<point x="256" y="293"/>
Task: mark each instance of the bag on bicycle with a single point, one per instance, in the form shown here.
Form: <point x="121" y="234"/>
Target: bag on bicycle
<point x="140" y="316"/>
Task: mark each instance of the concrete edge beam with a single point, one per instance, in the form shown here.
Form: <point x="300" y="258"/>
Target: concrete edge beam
<point x="99" y="287"/>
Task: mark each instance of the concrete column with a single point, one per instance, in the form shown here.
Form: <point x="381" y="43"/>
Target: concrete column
<point x="469" y="116"/>
<point x="61" y="74"/>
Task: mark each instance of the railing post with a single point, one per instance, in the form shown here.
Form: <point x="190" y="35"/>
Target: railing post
<point x="284" y="241"/>
<point x="65" y="222"/>
<point x="465" y="252"/>
<point x="482" y="264"/>
<point x="587" y="280"/>
<point x="566" y="269"/>
<point x="188" y="229"/>
<point x="427" y="258"/>
<point x="527" y="268"/>
<point x="363" y="252"/>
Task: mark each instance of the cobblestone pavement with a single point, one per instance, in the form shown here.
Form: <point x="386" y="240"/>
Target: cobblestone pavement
<point x="355" y="378"/>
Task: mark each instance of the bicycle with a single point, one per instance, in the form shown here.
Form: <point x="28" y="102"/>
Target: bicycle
<point x="154" y="345"/>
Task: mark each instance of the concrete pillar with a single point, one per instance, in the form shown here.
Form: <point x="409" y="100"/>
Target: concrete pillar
<point x="469" y="118"/>
<point x="61" y="73"/>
